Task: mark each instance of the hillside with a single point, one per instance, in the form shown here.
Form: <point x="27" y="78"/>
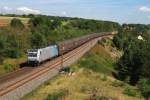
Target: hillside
<point x="16" y="38"/>
<point x="89" y="79"/>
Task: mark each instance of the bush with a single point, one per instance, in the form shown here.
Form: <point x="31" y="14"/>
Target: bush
<point x="38" y="40"/>
<point x="129" y="91"/>
<point x="16" y="23"/>
<point x="57" y="95"/>
<point x="89" y="63"/>
<point x="144" y="86"/>
<point x="104" y="78"/>
<point x="118" y="83"/>
<point x="13" y="53"/>
<point x="8" y="67"/>
<point x="102" y="42"/>
<point x="102" y="98"/>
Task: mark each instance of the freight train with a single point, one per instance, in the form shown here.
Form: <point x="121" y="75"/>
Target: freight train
<point x="37" y="56"/>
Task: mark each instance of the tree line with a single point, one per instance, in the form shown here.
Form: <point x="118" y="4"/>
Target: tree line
<point x="134" y="65"/>
<point x="41" y="31"/>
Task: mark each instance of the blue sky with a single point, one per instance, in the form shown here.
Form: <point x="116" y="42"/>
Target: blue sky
<point x="122" y="11"/>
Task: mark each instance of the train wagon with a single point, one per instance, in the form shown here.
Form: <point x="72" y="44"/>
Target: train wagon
<point x="36" y="56"/>
<point x="69" y="45"/>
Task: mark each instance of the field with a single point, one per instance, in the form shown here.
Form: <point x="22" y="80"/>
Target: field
<point x="4" y="21"/>
<point x="87" y="81"/>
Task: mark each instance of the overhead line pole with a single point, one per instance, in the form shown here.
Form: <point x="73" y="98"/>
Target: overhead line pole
<point x="61" y="67"/>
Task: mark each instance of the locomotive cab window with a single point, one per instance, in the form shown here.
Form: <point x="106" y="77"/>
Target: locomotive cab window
<point x="32" y="54"/>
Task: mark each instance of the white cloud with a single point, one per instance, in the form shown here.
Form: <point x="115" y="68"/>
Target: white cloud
<point x="149" y="17"/>
<point x="144" y="9"/>
<point x="26" y="10"/>
<point x="6" y="8"/>
<point x="56" y="1"/>
<point x="20" y="10"/>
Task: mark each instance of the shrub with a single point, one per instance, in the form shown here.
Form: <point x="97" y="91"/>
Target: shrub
<point x="102" y="42"/>
<point x="38" y="40"/>
<point x="47" y="83"/>
<point x="102" y="98"/>
<point x="104" y="78"/>
<point x="57" y="95"/>
<point x="129" y="91"/>
<point x="12" y="52"/>
<point x="89" y="63"/>
<point x="118" y="83"/>
<point x="8" y="67"/>
<point x="16" y="23"/>
<point x="144" y="86"/>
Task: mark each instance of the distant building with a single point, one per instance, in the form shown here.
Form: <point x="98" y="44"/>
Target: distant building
<point x="140" y="37"/>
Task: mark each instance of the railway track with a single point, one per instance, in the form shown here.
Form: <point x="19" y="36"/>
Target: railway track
<point x="14" y="75"/>
<point x="54" y="64"/>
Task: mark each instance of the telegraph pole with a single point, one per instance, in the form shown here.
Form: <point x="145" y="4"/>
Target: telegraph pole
<point x="61" y="67"/>
<point x="61" y="60"/>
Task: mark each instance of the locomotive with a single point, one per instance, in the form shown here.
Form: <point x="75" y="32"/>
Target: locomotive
<point x="37" y="56"/>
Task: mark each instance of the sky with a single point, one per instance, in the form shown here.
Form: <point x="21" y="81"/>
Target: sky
<point x="122" y="11"/>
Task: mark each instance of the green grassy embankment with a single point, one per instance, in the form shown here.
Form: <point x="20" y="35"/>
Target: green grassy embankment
<point x="89" y="79"/>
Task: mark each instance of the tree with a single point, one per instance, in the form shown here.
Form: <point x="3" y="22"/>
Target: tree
<point x="16" y="23"/>
<point x="144" y="86"/>
<point x="55" y="23"/>
<point x="134" y="65"/>
<point x="38" y="40"/>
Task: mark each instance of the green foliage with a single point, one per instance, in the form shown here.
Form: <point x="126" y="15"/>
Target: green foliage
<point x="93" y="65"/>
<point x="134" y="64"/>
<point x="136" y="28"/>
<point x="144" y="86"/>
<point x="119" y="41"/>
<point x="135" y="59"/>
<point x="12" y="52"/>
<point x="97" y="62"/>
<point x="102" y="98"/>
<point x="95" y="26"/>
<point x="38" y="40"/>
<point x="118" y="83"/>
<point x="2" y="41"/>
<point x="15" y="40"/>
<point x="130" y="92"/>
<point x="16" y="23"/>
<point x="55" y="24"/>
<point x="10" y="45"/>
<point x="57" y="95"/>
<point x="8" y="67"/>
<point x="52" y="30"/>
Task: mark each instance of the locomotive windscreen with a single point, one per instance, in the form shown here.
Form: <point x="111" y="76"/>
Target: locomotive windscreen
<point x="32" y="54"/>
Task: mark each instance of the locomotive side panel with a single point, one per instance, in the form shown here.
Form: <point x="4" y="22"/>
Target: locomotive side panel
<point x="48" y="53"/>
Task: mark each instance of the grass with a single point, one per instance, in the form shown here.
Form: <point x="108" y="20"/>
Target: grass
<point x="130" y="91"/>
<point x="91" y="80"/>
<point x="98" y="60"/>
<point x="4" y="21"/>
<point x="83" y="85"/>
<point x="57" y="95"/>
<point x="10" y="65"/>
